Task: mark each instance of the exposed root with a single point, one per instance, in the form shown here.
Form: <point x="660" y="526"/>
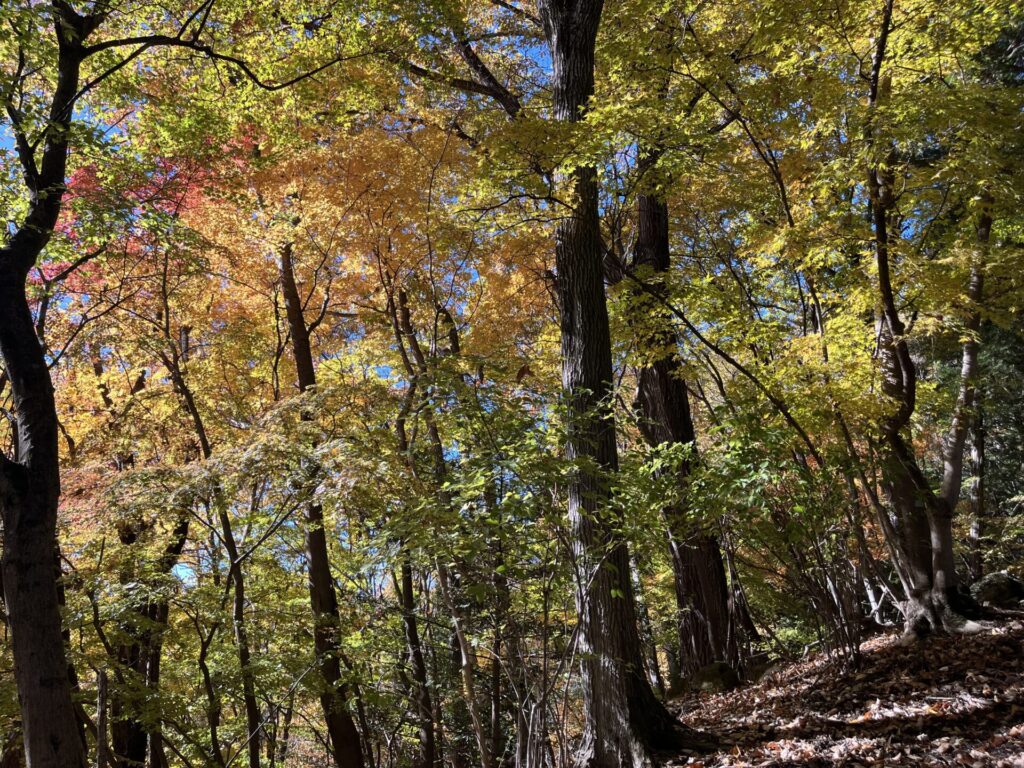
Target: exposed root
<point x="972" y="628"/>
<point x="950" y="612"/>
<point x="649" y="744"/>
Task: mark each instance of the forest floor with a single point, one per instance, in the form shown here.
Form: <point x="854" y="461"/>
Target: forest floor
<point x="945" y="701"/>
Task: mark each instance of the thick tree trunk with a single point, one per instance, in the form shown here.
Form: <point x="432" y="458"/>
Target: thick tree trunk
<point x="324" y="602"/>
<point x="706" y="630"/>
<point x="29" y="489"/>
<point x="30" y="481"/>
<point x="702" y="591"/>
<point x="624" y="723"/>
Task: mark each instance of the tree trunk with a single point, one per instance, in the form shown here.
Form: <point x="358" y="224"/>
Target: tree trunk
<point x="624" y="723"/>
<point x="30" y="482"/>
<point x="467" y="667"/>
<point x="283" y="741"/>
<point x="341" y="727"/>
<point x="976" y="497"/>
<point x="934" y="602"/>
<point x="29" y="489"/>
<point x="252" y="707"/>
<point x="131" y="737"/>
<point x="102" y="752"/>
<point x="11" y="751"/>
<point x="422" y="707"/>
<point x="502" y="601"/>
<point x="647" y="635"/>
<point x="702" y="592"/>
<point x="128" y="736"/>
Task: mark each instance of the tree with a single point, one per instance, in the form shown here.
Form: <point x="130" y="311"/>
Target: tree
<point x="625" y="723"/>
<point x="322" y="598"/>
<point x="31" y="478"/>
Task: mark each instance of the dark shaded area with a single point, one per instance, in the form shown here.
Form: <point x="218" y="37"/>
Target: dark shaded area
<point x="949" y="700"/>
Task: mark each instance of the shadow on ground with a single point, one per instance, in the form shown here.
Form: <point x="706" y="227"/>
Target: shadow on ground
<point x="956" y="701"/>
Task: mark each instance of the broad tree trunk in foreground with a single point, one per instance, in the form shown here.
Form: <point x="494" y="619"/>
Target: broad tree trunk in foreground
<point x="322" y="598"/>
<point x="702" y="592"/>
<point x="30" y="480"/>
<point x="29" y="489"/>
<point x="624" y="722"/>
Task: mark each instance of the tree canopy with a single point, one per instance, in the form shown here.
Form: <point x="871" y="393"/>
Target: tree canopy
<point x="450" y="383"/>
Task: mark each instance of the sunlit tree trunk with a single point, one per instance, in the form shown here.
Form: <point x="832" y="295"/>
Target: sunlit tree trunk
<point x="976" y="496"/>
<point x="624" y="723"/>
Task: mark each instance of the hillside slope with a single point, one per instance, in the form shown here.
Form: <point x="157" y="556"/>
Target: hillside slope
<point x="947" y="701"/>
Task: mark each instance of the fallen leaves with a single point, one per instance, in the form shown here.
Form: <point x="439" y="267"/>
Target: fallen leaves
<point x="946" y="701"/>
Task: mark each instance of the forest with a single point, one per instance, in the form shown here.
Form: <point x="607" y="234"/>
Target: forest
<point x="511" y="383"/>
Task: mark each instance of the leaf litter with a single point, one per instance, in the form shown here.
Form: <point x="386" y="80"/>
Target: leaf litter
<point x="943" y="701"/>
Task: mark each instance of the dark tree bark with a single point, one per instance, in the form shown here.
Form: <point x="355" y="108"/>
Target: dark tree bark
<point x="423" y="708"/>
<point x="252" y="709"/>
<point x="11" y="751"/>
<point x="625" y="724"/>
<point x="702" y="591"/>
<point x="30" y="480"/>
<point x="102" y="748"/>
<point x="323" y="600"/>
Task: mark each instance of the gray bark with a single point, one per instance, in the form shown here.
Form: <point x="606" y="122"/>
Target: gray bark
<point x="624" y="723"/>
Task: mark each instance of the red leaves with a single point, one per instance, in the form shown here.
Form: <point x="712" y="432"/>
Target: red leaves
<point x="84" y="183"/>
